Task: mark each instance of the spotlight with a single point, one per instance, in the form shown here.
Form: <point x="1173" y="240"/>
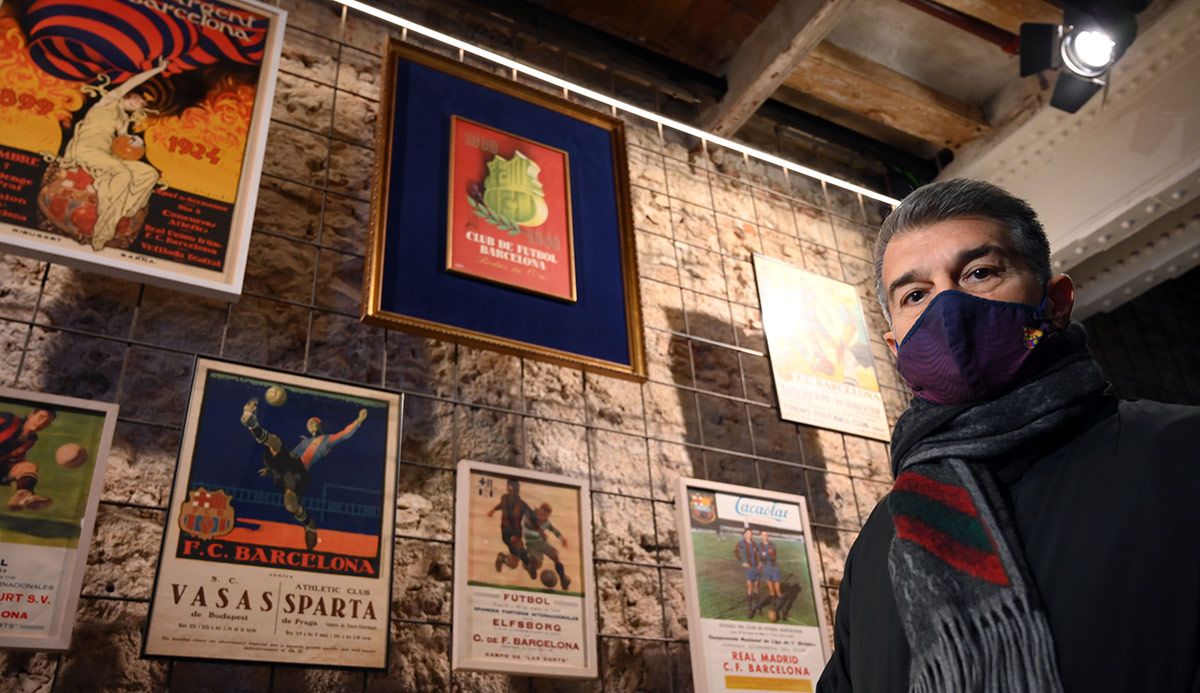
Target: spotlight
<point x="1091" y="39"/>
<point x="1088" y="53"/>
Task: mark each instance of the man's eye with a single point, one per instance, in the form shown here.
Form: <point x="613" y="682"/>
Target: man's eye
<point x="912" y="297"/>
<point x="981" y="273"/>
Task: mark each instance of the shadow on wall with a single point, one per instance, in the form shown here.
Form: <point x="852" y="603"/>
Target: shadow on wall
<point x="727" y="401"/>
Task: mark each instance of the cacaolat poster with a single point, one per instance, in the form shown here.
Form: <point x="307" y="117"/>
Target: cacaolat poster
<point x="751" y="578"/>
<point x="132" y="134"/>
<point x="278" y="545"/>
<point x="53" y="451"/>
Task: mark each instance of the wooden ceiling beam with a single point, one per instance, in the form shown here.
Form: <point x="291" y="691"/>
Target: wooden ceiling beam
<point x="1007" y="14"/>
<point x="768" y="56"/>
<point x="851" y="82"/>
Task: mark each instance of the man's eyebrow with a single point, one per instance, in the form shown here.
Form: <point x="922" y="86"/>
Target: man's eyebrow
<point x="909" y="276"/>
<point x="970" y="254"/>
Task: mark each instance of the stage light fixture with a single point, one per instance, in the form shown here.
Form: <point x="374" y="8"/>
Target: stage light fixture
<point x="1084" y="48"/>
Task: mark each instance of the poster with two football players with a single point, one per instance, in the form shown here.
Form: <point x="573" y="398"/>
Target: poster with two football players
<point x="524" y="594"/>
<point x="752" y="580"/>
<point x="278" y="545"/>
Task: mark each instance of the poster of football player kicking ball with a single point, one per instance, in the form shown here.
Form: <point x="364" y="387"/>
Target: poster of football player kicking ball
<point x="279" y="539"/>
<point x="523" y="581"/>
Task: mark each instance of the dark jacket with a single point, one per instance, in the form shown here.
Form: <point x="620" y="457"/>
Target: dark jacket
<point x="1109" y="520"/>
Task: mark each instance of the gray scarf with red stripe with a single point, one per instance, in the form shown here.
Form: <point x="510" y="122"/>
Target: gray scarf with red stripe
<point x="971" y="615"/>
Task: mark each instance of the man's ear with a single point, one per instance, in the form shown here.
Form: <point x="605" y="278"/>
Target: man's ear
<point x="1061" y="292"/>
<point x="890" y="338"/>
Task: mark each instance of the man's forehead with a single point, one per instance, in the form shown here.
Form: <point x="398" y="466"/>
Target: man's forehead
<point x="927" y="247"/>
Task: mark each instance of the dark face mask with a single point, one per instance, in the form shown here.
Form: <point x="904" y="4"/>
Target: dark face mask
<point x="968" y="349"/>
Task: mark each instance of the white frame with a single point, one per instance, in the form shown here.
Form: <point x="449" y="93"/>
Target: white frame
<point x="161" y="272"/>
<point x="152" y="645"/>
<point x="69" y="587"/>
<point x="461" y="615"/>
<point x="683" y="524"/>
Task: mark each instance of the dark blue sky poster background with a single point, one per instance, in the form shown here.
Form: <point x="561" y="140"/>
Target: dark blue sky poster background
<point x="226" y="455"/>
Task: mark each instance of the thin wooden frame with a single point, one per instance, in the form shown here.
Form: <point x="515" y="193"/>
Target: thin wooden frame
<point x="465" y="627"/>
<point x="372" y="309"/>
<point x="701" y="655"/>
<point x="17" y="568"/>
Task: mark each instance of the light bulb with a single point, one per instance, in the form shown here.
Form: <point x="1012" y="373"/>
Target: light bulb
<point x="1094" y="48"/>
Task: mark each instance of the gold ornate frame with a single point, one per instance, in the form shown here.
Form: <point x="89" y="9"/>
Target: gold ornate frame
<point x="372" y="311"/>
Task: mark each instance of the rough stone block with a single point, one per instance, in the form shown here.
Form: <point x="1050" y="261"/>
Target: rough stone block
<point x="724" y="424"/>
<point x="656" y="258"/>
<point x="668" y="462"/>
<point x="420" y="364"/>
<point x="87" y="301"/>
<point x="428" y="432"/>
<point x="613" y="403"/>
<point x="774" y="437"/>
<point x="489" y="378"/>
<point x="623" y="528"/>
<point x="180" y="321"/>
<point x="733" y="198"/>
<point x="869" y="494"/>
<point x="296" y="155"/>
<point x="629" y="600"/>
<point x="27" y="672"/>
<point x="685" y="182"/>
<point x="420" y="660"/>
<point x="22" y="281"/>
<point x="832" y="500"/>
<point x="824" y="449"/>
<point x="708" y="317"/>
<point x="553" y="391"/>
<point x="12" y="346"/>
<point x="141" y="464"/>
<point x="717" y="369"/>
<point x="308" y="55"/>
<point x="280" y="268"/>
<point x="619" y="463"/>
<point x="350" y="169"/>
<point x="267" y="332"/>
<point x="671" y="414"/>
<point x="556" y="448"/>
<point x="360" y="72"/>
<point x="107" y="650"/>
<point x="695" y="225"/>
<point x="156" y="386"/>
<point x="425" y="504"/>
<point x="303" y="103"/>
<point x="198" y="675"/>
<point x="342" y="347"/>
<point x="700" y="270"/>
<point x="124" y="552"/>
<point x="422" y="579"/>
<point x="647" y="169"/>
<point x="488" y="435"/>
<point x="662" y="305"/>
<point x="671" y="360"/>
<point x="635" y="665"/>
<point x="339" y="281"/>
<point x="74" y="365"/>
<point x="667" y="534"/>
<point x="288" y="208"/>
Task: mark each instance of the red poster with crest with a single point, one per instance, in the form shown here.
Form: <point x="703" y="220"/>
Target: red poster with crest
<point x="510" y="211"/>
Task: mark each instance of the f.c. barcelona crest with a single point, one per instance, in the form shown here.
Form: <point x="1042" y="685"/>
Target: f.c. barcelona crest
<point x="704" y="509"/>
<point x="206" y="514"/>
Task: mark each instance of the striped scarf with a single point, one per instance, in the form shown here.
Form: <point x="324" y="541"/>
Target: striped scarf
<point x="970" y="612"/>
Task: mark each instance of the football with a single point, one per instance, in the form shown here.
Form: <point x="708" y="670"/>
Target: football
<point x="70" y="455"/>
<point x="772" y="615"/>
<point x="276" y="396"/>
<point x="549" y="579"/>
<point x="129" y="147"/>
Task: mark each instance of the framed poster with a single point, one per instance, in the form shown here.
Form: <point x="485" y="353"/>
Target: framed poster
<point x="524" y="593"/>
<point x="820" y="350"/>
<point x="279" y="538"/>
<point x="503" y="186"/>
<point x="751" y="580"/>
<point x="132" y="135"/>
<point x="53" y="451"/>
<point x="500" y="218"/>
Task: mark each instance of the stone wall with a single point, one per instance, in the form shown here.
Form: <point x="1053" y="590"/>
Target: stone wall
<point x="708" y="409"/>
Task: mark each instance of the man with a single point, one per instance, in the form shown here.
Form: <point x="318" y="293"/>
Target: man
<point x="768" y="558"/>
<point x="513" y="512"/>
<point x="17" y="437"/>
<point x="533" y="531"/>
<point x="746" y="552"/>
<point x="1041" y="535"/>
<point x="290" y="469"/>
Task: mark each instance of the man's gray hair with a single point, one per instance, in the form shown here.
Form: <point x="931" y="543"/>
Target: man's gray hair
<point x="960" y="198"/>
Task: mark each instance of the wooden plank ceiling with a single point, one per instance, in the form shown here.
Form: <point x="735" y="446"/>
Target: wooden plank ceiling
<point x="778" y="49"/>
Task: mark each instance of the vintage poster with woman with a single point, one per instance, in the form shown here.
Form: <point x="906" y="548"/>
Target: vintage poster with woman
<point x="278" y="544"/>
<point x="132" y="134"/>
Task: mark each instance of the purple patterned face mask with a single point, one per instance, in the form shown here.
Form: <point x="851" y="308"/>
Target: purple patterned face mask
<point x="967" y="349"/>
